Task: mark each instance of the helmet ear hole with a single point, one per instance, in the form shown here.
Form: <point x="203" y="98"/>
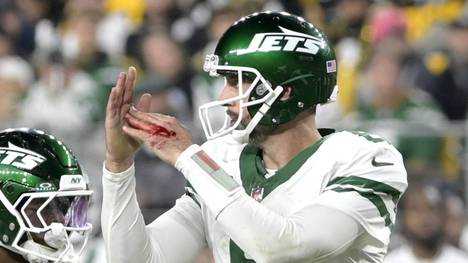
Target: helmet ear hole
<point x="9" y="189"/>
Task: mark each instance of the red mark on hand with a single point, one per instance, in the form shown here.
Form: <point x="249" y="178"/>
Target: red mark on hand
<point x="152" y="129"/>
<point x="161" y="131"/>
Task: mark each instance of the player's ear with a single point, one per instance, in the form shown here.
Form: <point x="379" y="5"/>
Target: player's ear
<point x="286" y="94"/>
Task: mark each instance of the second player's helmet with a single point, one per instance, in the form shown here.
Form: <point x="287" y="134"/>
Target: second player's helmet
<point x="272" y="51"/>
<point x="43" y="197"/>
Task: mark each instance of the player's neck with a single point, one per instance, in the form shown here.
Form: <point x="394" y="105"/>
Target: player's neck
<point x="7" y="256"/>
<point x="280" y="148"/>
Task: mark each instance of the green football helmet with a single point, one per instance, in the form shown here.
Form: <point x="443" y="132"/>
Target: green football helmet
<point x="44" y="197"/>
<point x="271" y="51"/>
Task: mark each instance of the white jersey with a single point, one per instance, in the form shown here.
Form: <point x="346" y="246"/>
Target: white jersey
<point x="243" y="216"/>
<point x="447" y="254"/>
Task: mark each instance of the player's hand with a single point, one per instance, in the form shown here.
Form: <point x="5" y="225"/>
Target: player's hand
<point x="164" y="134"/>
<point x="121" y="148"/>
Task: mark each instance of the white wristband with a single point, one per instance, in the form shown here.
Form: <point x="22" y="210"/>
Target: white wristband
<point x="215" y="187"/>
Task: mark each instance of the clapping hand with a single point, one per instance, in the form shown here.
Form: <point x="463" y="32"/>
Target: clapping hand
<point x="120" y="147"/>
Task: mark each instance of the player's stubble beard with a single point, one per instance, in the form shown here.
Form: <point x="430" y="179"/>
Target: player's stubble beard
<point x="259" y="133"/>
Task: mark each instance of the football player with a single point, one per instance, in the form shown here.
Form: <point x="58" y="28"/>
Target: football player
<point x="44" y="199"/>
<point x="268" y="185"/>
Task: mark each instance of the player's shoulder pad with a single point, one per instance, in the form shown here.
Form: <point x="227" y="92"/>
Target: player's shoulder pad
<point x="353" y="145"/>
<point x="363" y="140"/>
<point x="369" y="154"/>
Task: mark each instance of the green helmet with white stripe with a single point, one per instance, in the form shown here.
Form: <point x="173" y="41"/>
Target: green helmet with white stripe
<point x="44" y="197"/>
<point x="272" y="51"/>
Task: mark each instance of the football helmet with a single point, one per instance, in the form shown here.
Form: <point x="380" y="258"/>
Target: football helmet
<point x="271" y="51"/>
<point x="44" y="197"/>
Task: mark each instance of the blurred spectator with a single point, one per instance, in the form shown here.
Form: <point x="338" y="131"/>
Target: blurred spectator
<point x="81" y="50"/>
<point x="385" y="25"/>
<point x="369" y="26"/>
<point x="15" y="77"/>
<point x="348" y="19"/>
<point x="404" y="116"/>
<point x="112" y="33"/>
<point x="17" y="20"/>
<point x="424" y="216"/>
<point x="159" y="13"/>
<point x="314" y="13"/>
<point x="165" y="98"/>
<point x="79" y="45"/>
<point x="444" y="73"/>
<point x="5" y="44"/>
<point x="162" y="57"/>
<point x="60" y="100"/>
<point x="387" y="22"/>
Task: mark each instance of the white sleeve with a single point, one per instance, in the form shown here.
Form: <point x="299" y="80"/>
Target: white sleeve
<point x="314" y="232"/>
<point x="126" y="237"/>
<point x="368" y="189"/>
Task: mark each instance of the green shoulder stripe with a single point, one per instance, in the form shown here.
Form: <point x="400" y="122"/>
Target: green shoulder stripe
<point x="373" y="198"/>
<point x="367" y="184"/>
<point x="369" y="137"/>
<point x="253" y="171"/>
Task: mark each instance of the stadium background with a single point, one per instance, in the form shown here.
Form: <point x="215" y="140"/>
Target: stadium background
<point x="402" y="73"/>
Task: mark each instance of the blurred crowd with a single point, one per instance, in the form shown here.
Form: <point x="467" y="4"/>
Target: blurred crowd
<point x="402" y="73"/>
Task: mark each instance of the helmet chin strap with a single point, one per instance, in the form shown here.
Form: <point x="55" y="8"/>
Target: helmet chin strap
<point x="60" y="247"/>
<point x="38" y="249"/>
<point x="56" y="237"/>
<point x="242" y="136"/>
<point x="32" y="257"/>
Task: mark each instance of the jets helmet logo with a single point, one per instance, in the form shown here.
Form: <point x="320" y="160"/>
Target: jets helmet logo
<point x="20" y="157"/>
<point x="289" y="40"/>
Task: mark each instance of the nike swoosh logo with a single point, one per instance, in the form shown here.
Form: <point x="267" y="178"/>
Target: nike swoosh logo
<point x="379" y="164"/>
